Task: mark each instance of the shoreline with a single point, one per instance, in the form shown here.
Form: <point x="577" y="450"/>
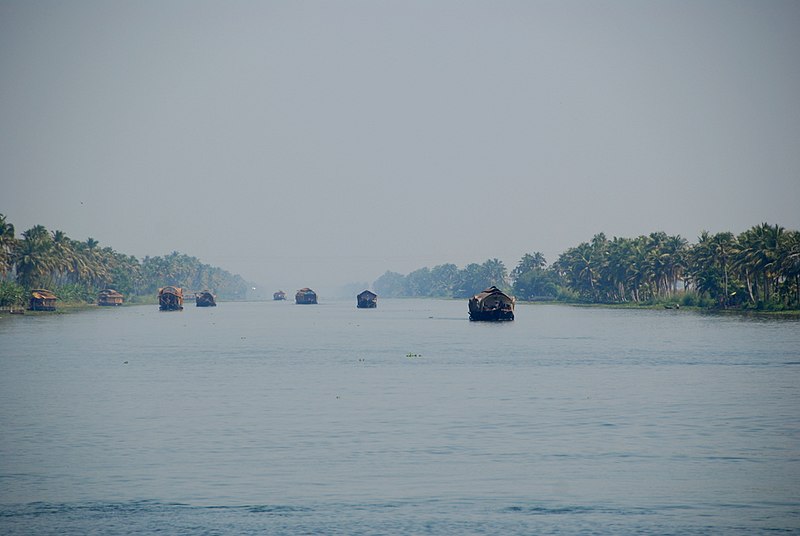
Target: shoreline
<point x="64" y="308"/>
<point x="74" y="307"/>
<point x="661" y="306"/>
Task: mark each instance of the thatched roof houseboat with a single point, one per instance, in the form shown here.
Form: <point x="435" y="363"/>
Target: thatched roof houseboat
<point x="280" y="295"/>
<point x="109" y="297"/>
<point x="205" y="299"/>
<point x="491" y="304"/>
<point x="170" y="299"/>
<point x="367" y="300"/>
<point x="305" y="296"/>
<point x="42" y="300"/>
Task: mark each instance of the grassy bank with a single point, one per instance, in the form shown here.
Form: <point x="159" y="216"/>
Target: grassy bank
<point x="675" y="305"/>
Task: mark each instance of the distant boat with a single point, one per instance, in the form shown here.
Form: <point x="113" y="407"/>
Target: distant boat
<point x="109" y="297"/>
<point x="170" y="299"/>
<point x="280" y="295"/>
<point x="305" y="296"/>
<point x="492" y="304"/>
<point x="367" y="300"/>
<point x="205" y="299"/>
<point x="42" y="300"/>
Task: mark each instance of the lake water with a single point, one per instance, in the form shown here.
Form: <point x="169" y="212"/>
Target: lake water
<point x="274" y="418"/>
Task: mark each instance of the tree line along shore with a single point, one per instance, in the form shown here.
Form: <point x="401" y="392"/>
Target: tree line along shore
<point x="758" y="269"/>
<point x="77" y="270"/>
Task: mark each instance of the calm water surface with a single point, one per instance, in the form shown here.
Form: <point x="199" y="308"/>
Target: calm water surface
<point x="269" y="417"/>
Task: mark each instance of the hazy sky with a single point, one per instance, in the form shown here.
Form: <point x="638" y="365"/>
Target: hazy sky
<point x="318" y="143"/>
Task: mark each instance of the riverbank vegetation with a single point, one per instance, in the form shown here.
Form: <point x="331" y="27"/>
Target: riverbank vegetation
<point x="758" y="269"/>
<point x="77" y="270"/>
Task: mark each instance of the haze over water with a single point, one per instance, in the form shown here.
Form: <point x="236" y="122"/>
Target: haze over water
<point x="268" y="417"/>
<point x="314" y="143"/>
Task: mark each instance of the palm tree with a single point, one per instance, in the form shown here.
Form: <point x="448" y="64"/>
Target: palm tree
<point x="495" y="273"/>
<point x="676" y="248"/>
<point x="710" y="266"/>
<point x="126" y="274"/>
<point x="790" y="266"/>
<point x="7" y="246"/>
<point x="638" y="271"/>
<point x="619" y="266"/>
<point x="528" y="263"/>
<point x="723" y="247"/>
<point x="443" y="279"/>
<point x="578" y="267"/>
<point x="63" y="253"/>
<point x="33" y="258"/>
<point x="658" y="262"/>
<point x="773" y="238"/>
<point x="471" y="280"/>
<point x="758" y="259"/>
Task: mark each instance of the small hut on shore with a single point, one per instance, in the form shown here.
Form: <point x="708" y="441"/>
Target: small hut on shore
<point x="278" y="296"/>
<point x="109" y="297"/>
<point x="42" y="300"/>
<point x="170" y="299"/>
<point x="367" y="300"/>
<point x="492" y="304"/>
<point x="305" y="296"/>
<point x="205" y="299"/>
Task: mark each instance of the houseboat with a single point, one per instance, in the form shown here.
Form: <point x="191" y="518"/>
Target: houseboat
<point x="278" y="296"/>
<point x="205" y="299"/>
<point x="305" y="296"/>
<point x="42" y="300"/>
<point x="367" y="300"/>
<point x="170" y="299"/>
<point x="492" y="304"/>
<point x="109" y="297"/>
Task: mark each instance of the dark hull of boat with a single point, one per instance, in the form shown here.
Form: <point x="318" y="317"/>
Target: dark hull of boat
<point x="171" y="303"/>
<point x="205" y="300"/>
<point x="491" y="316"/>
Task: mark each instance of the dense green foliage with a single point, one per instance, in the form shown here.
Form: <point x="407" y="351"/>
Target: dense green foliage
<point x="445" y="280"/>
<point x="77" y="270"/>
<point x="11" y="294"/>
<point x="760" y="269"/>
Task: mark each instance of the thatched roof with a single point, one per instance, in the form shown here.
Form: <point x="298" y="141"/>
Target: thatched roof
<point x="42" y="294"/>
<point x="367" y="294"/>
<point x="110" y="293"/>
<point x="490" y="292"/>
<point x="171" y="290"/>
<point x="492" y="297"/>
